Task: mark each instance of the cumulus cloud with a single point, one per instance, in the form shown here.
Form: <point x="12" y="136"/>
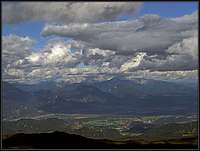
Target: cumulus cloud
<point x="96" y="56"/>
<point x="14" y="72"/>
<point x="171" y="63"/>
<point x="11" y="43"/>
<point x="67" y="12"/>
<point x="53" y="54"/>
<point x="15" y="49"/>
<point x="182" y="56"/>
<point x="169" y="43"/>
<point x="132" y="63"/>
<point x="188" y="46"/>
<point x="149" y="46"/>
<point x="97" y="51"/>
<point x="150" y="33"/>
<point x="57" y="60"/>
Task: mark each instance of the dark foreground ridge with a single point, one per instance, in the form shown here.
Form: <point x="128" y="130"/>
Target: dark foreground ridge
<point x="69" y="141"/>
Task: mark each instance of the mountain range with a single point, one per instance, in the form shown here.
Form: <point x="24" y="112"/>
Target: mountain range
<point x="115" y="96"/>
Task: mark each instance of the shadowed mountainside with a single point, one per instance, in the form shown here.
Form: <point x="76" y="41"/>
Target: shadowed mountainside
<point x="64" y="140"/>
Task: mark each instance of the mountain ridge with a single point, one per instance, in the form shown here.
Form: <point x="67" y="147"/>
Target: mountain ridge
<point x="64" y="140"/>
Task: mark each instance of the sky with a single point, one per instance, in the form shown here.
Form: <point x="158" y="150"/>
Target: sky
<point x="65" y="40"/>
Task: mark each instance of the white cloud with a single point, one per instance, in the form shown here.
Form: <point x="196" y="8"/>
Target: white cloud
<point x="15" y="49"/>
<point x="52" y="55"/>
<point x="97" y="51"/>
<point x="55" y="60"/>
<point x="170" y="44"/>
<point x="149" y="46"/>
<point x="183" y="56"/>
<point x="189" y="46"/>
<point x="187" y="18"/>
<point x="133" y="63"/>
<point x="170" y="63"/>
<point x="17" y="73"/>
<point x="13" y="44"/>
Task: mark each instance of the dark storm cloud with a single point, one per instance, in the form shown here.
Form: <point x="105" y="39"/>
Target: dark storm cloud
<point x="66" y="12"/>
